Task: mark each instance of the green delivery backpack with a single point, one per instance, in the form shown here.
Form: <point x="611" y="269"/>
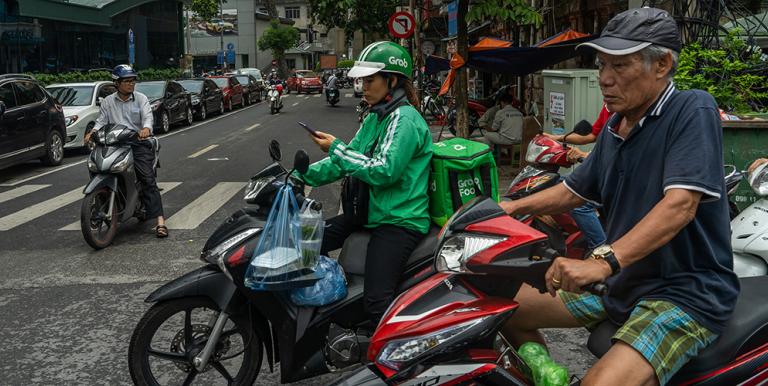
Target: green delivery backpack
<point x="461" y="170"/>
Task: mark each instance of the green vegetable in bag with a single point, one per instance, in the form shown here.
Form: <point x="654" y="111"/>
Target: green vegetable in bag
<point x="544" y="370"/>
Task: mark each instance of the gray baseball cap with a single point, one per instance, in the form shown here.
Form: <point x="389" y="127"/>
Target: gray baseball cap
<point x="635" y="29"/>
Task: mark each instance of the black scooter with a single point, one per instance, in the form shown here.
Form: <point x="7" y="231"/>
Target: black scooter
<point x="332" y="97"/>
<point x="218" y="328"/>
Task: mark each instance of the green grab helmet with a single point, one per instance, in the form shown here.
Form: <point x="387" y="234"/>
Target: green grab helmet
<point x="384" y="56"/>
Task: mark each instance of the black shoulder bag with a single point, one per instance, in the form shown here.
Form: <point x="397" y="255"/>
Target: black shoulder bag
<point x="355" y="196"/>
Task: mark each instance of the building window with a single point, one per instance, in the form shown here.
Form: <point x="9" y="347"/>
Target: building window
<point x="292" y="13"/>
<point x="290" y="63"/>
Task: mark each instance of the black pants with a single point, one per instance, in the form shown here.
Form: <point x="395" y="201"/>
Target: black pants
<point x="388" y="251"/>
<point x="143" y="161"/>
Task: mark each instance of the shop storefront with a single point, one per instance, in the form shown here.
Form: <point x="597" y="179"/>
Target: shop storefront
<point x="54" y="36"/>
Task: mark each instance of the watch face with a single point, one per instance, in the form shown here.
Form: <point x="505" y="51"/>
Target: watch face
<point x="602" y="250"/>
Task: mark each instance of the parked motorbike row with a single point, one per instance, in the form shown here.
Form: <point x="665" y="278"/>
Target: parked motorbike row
<point x="443" y="328"/>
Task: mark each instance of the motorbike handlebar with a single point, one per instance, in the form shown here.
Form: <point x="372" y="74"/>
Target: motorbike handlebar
<point x="599" y="289"/>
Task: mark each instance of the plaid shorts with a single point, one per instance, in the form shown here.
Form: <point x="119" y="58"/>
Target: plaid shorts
<point x="660" y="331"/>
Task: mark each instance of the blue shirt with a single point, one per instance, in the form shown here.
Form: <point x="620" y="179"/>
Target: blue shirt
<point x="677" y="145"/>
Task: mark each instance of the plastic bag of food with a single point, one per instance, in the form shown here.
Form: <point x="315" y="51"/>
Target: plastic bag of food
<point x="331" y="288"/>
<point x="544" y="370"/>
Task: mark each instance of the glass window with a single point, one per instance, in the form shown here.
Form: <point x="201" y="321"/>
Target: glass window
<point x="174" y="88"/>
<point x="192" y="85"/>
<point x="243" y="79"/>
<point x="153" y="90"/>
<point x="233" y="81"/>
<point x="7" y="96"/>
<point x="292" y="12"/>
<point x="72" y="95"/>
<point x="26" y="93"/>
<point x="221" y="82"/>
<point x="107" y="90"/>
<point x="210" y="85"/>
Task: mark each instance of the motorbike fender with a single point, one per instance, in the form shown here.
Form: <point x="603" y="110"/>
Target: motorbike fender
<point x="101" y="180"/>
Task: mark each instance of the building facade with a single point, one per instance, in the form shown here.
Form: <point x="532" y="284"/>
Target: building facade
<point x="56" y="36"/>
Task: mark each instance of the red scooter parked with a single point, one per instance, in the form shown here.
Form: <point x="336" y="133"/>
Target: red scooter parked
<point x="446" y="329"/>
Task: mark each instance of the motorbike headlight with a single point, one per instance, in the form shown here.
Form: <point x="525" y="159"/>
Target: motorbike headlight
<point x="254" y="187"/>
<point x="101" y="136"/>
<point x="217" y="254"/>
<point x="92" y="166"/>
<point x="758" y="180"/>
<point x="70" y="120"/>
<point x="457" y="250"/>
<point x="398" y="353"/>
<point x="120" y="166"/>
<point x="534" y="151"/>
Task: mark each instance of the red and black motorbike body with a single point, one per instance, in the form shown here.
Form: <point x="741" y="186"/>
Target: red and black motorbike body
<point x="546" y="156"/>
<point x="445" y="329"/>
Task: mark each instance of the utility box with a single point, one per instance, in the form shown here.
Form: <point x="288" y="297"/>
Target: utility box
<point x="569" y="97"/>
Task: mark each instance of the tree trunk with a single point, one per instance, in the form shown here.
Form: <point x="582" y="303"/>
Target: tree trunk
<point x="460" y="88"/>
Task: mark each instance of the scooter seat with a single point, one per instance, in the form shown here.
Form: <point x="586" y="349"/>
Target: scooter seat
<point x="353" y="254"/>
<point x="747" y="330"/>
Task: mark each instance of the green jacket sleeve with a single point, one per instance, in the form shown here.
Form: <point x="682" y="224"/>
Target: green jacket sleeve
<point x="395" y="150"/>
<point x="322" y="172"/>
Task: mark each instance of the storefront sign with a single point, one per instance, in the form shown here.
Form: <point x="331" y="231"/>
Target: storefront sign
<point x="131" y="47"/>
<point x="453" y="15"/>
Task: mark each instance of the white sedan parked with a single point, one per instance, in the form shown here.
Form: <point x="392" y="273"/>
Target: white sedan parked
<point x="358" y="87"/>
<point x="81" y="107"/>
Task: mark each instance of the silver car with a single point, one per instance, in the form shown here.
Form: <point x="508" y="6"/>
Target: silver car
<point x="81" y="107"/>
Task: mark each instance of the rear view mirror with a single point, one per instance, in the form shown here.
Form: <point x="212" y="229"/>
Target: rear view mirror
<point x="301" y="161"/>
<point x="274" y="151"/>
<point x="2" y="108"/>
<point x="583" y="128"/>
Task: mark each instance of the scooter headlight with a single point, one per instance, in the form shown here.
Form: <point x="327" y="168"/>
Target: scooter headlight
<point x="217" y="254"/>
<point x="255" y="186"/>
<point x="397" y="353"/>
<point x="121" y="165"/>
<point x="534" y="151"/>
<point x="92" y="166"/>
<point x="457" y="250"/>
<point x="758" y="179"/>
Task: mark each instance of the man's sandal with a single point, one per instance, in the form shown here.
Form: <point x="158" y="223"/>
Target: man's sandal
<point x="161" y="231"/>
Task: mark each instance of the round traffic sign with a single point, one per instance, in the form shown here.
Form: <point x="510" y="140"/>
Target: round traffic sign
<point x="230" y="46"/>
<point x="401" y="25"/>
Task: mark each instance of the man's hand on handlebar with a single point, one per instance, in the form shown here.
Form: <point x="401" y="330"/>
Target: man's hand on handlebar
<point x="145" y="133"/>
<point x="558" y="138"/>
<point x="576" y="155"/>
<point x="757" y="163"/>
<point x="574" y="275"/>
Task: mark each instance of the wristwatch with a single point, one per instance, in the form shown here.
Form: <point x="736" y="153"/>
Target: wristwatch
<point x="605" y="252"/>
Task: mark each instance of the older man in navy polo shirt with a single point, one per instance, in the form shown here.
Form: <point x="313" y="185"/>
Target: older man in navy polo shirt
<point x="657" y="171"/>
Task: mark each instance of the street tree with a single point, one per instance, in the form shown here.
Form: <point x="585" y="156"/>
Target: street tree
<point x="205" y="9"/>
<point x="367" y="16"/>
<point x="278" y="38"/>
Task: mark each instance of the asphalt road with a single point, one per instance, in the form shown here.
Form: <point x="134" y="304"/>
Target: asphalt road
<point x="67" y="311"/>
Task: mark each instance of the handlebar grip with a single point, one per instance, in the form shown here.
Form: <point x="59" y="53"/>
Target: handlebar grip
<point x="599" y="289"/>
<point x="580" y="159"/>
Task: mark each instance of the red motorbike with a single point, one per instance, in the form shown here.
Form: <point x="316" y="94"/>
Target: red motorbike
<point x="546" y="156"/>
<point x="446" y="329"/>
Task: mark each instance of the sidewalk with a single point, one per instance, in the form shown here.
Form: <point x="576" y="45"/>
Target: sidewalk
<point x="506" y="172"/>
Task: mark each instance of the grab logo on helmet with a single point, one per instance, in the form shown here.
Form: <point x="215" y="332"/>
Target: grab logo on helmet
<point x="398" y="61"/>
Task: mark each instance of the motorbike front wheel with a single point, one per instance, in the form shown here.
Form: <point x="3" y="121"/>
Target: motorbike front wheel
<point x="98" y="226"/>
<point x="173" y="332"/>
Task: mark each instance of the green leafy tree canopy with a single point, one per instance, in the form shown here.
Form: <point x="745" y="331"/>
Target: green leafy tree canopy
<point x="205" y="9"/>
<point x="278" y="38"/>
<point x="502" y="11"/>
<point x="367" y="16"/>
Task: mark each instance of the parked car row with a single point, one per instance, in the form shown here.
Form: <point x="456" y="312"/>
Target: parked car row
<point x="39" y="122"/>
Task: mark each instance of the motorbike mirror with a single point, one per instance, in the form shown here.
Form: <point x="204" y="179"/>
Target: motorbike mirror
<point x="2" y="108"/>
<point x="274" y="151"/>
<point x="301" y="161"/>
<point x="583" y="128"/>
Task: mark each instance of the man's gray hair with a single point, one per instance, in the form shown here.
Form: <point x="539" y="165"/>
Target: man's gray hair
<point x="655" y="52"/>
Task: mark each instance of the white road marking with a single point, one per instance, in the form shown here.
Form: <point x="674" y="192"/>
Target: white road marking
<point x="219" y="159"/>
<point x="317" y="95"/>
<point x="192" y="215"/>
<point x="19" y="182"/>
<point x="165" y="186"/>
<point x="295" y="104"/>
<point x="203" y="151"/>
<point x="348" y="95"/>
<point x="20" y="191"/>
<point x="40" y="209"/>
<point x="306" y="97"/>
<point x="247" y="129"/>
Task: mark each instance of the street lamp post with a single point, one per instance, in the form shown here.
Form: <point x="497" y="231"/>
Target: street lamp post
<point x="221" y="41"/>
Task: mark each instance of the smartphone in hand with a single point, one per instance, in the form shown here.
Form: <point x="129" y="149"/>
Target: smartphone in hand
<point x="309" y="129"/>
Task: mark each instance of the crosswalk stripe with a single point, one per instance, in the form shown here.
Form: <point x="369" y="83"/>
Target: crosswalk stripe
<point x="203" y="151"/>
<point x="165" y="186"/>
<point x="255" y="125"/>
<point x="40" y="209"/>
<point x="295" y="104"/>
<point x="348" y="95"/>
<point x="306" y="97"/>
<point x="192" y="215"/>
<point x="317" y="95"/>
<point x="20" y="191"/>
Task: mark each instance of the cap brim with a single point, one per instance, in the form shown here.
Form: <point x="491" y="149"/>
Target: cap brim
<point x="363" y="69"/>
<point x="614" y="46"/>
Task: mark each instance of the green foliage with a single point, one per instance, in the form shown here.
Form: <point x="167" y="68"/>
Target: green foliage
<point x="504" y="11"/>
<point x="733" y="74"/>
<point x="345" y="64"/>
<point x="278" y="38"/>
<point x="205" y="9"/>
<point x="73" y="77"/>
<point x="367" y="16"/>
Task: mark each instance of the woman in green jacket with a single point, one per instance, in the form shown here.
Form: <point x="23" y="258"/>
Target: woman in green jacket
<point x="391" y="152"/>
